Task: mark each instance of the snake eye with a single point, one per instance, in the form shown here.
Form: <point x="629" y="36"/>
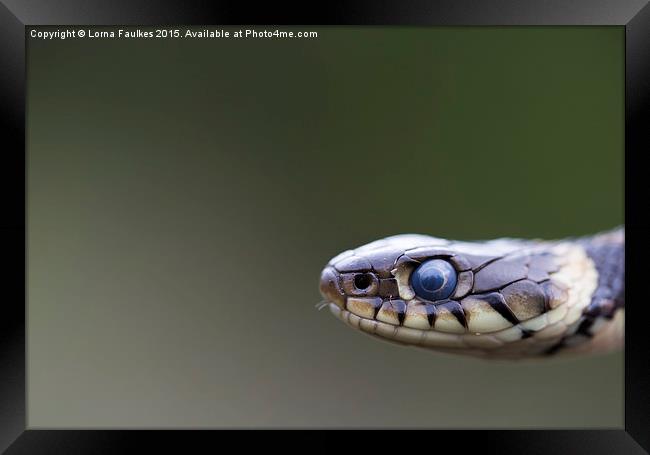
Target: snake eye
<point x="434" y="280"/>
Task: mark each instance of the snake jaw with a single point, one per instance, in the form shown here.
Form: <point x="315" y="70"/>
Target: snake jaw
<point x="519" y="300"/>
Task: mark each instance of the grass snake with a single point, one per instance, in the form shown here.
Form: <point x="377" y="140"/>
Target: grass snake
<point x="505" y="298"/>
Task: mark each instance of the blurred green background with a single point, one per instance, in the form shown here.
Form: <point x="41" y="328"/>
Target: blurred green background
<point x="183" y="196"/>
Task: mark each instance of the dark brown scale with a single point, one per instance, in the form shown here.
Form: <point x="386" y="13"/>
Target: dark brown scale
<point x="382" y="261"/>
<point x="399" y="306"/>
<point x="555" y="294"/>
<point x="388" y="287"/>
<point x="497" y="302"/>
<point x="423" y="253"/>
<point x="585" y="326"/>
<point x="500" y="273"/>
<point x="456" y="309"/>
<point x="377" y="304"/>
<point x="543" y="262"/>
<point x="478" y="262"/>
<point x="525" y="298"/>
<point x="526" y="334"/>
<point x="460" y="263"/>
<point x="432" y="313"/>
<point x="353" y="264"/>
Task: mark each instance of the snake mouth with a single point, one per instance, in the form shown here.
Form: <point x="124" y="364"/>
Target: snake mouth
<point x="398" y="334"/>
<point x="530" y="338"/>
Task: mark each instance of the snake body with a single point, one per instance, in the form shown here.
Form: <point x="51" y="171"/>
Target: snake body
<point x="504" y="298"/>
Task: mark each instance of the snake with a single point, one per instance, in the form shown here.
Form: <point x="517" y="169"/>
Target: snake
<point x="505" y="298"/>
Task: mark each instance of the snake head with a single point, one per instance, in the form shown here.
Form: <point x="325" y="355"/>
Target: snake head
<point x="504" y="298"/>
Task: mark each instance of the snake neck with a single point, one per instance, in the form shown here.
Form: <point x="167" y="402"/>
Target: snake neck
<point x="607" y="251"/>
<point x="601" y="323"/>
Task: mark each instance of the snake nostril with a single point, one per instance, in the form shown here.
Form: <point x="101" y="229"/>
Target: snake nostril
<point x="363" y="281"/>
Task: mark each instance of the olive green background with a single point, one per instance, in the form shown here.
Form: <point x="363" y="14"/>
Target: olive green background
<point x="183" y="196"/>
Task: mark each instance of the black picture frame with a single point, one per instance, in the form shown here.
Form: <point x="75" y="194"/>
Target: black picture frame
<point x="16" y="15"/>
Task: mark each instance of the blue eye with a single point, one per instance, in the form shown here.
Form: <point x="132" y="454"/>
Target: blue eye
<point x="434" y="280"/>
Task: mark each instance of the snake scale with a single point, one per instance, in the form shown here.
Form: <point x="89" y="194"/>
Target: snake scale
<point x="505" y="298"/>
